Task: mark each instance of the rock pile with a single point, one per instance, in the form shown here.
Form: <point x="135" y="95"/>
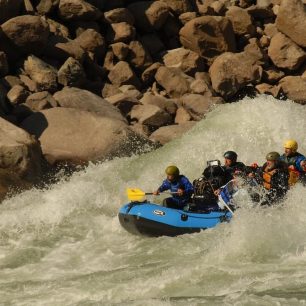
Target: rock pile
<point x="84" y="76"/>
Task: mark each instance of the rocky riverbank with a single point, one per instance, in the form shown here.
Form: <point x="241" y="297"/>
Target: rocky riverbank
<point x="88" y="80"/>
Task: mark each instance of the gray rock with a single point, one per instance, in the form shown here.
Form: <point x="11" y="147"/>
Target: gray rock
<point x="294" y="87"/>
<point x="119" y="15"/>
<point x="209" y="36"/>
<point x="75" y="136"/>
<point x="188" y="61"/>
<point x="232" y="71"/>
<point x="78" y="10"/>
<point x="46" y="7"/>
<point x="138" y="56"/>
<point x="198" y="105"/>
<point x="150" y="115"/>
<point x="29" y="33"/>
<point x="122" y="74"/>
<point x="121" y="32"/>
<point x="166" y="104"/>
<point x="17" y="94"/>
<point x="43" y="74"/>
<point x="168" y="133"/>
<point x="291" y="20"/>
<point x="182" y="116"/>
<point x="20" y="158"/>
<point x="40" y="100"/>
<point x="173" y="80"/>
<point x="149" y="15"/>
<point x="241" y="20"/>
<point x="93" y="42"/>
<point x="284" y="53"/>
<point x="71" y="73"/>
<point x="71" y="97"/>
<point x="123" y="101"/>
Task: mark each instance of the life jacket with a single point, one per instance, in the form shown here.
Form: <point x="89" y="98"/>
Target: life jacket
<point x="294" y="175"/>
<point x="267" y="177"/>
<point x="291" y="160"/>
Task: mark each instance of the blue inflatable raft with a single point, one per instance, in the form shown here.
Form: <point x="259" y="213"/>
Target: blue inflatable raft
<point x="150" y="219"/>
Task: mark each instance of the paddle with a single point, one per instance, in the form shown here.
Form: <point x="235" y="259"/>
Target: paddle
<point x="137" y="195"/>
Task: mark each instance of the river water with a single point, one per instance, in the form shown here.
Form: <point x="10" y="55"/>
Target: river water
<point x="65" y="246"/>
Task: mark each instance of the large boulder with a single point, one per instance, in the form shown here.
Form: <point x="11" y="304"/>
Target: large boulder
<point x="149" y="15"/>
<point x="241" y="20"/>
<point x="148" y="76"/>
<point x="198" y="105"/>
<point x="230" y="72"/>
<point x="167" y="133"/>
<point x="71" y="73"/>
<point x="57" y="28"/>
<point x="28" y="33"/>
<point x="179" y="7"/>
<point x="17" y="94"/>
<point x="40" y="100"/>
<point x="188" y="61"/>
<point x="117" y="15"/>
<point x="150" y="115"/>
<point x="166" y="104"/>
<point x="61" y="48"/>
<point x="92" y="42"/>
<point x="9" y="9"/>
<point x="71" y="97"/>
<point x="291" y="20"/>
<point x="78" y="10"/>
<point x="76" y="136"/>
<point x="284" y="53"/>
<point x="123" y="101"/>
<point x="47" y="6"/>
<point x="138" y="56"/>
<point x="20" y="158"/>
<point x="294" y="87"/>
<point x="43" y="74"/>
<point x="122" y="74"/>
<point x="173" y="80"/>
<point x="121" y="32"/>
<point x="209" y="36"/>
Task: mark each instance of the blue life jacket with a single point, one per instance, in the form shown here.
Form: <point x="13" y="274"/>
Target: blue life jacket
<point x="294" y="160"/>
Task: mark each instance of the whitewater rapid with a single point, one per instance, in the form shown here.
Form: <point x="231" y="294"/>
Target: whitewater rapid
<point x="64" y="245"/>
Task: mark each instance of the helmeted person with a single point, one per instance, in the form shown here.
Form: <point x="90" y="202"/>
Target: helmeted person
<point x="273" y="176"/>
<point x="206" y="187"/>
<point x="179" y="185"/>
<point x="293" y="160"/>
<point x="231" y="164"/>
<point x="302" y="169"/>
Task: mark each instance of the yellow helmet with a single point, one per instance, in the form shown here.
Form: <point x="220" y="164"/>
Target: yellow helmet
<point x="172" y="170"/>
<point x="291" y="144"/>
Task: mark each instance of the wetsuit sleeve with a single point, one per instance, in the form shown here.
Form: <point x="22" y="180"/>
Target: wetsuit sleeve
<point x="164" y="186"/>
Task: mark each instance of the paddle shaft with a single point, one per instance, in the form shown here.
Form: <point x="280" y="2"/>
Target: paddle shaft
<point x="164" y="192"/>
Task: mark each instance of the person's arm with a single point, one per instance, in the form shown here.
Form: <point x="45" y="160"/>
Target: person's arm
<point x="186" y="187"/>
<point x="164" y="186"/>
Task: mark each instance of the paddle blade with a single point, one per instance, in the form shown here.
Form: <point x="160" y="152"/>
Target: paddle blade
<point x="135" y="194"/>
